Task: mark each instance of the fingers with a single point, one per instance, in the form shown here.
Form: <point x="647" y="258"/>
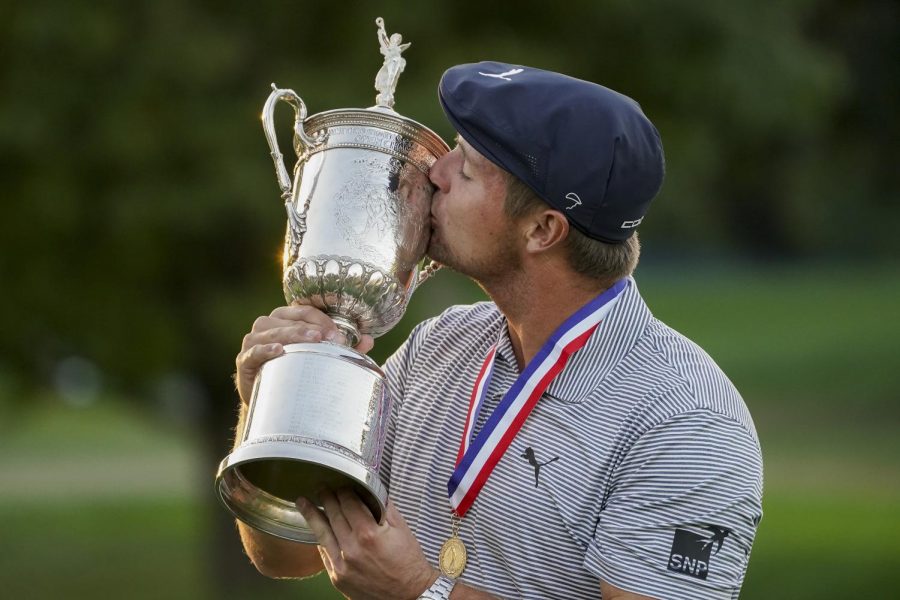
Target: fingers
<point x="356" y="513"/>
<point x="350" y="519"/>
<point x="286" y="331"/>
<point x="299" y="323"/>
<point x="319" y="525"/>
<point x="290" y="333"/>
<point x="250" y="360"/>
<point x="288" y="324"/>
<point x="285" y="325"/>
<point x="334" y="511"/>
<point x="305" y="313"/>
<point x="269" y="335"/>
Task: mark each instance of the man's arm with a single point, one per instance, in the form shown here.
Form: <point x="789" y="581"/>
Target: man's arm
<point x="682" y="511"/>
<point x="278" y="558"/>
<point x="272" y="556"/>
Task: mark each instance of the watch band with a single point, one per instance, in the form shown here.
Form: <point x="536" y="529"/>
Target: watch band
<point x="440" y="589"/>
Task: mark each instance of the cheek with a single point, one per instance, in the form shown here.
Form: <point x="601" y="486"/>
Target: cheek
<point x="476" y="219"/>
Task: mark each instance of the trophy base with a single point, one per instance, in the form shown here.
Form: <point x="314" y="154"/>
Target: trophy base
<point x="261" y="491"/>
<point x="316" y="421"/>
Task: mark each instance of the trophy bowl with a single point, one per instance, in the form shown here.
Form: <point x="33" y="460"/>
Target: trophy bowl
<point x="358" y="223"/>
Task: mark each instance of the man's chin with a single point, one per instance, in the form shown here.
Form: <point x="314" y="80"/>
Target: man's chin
<point x="434" y="252"/>
<point x="437" y="254"/>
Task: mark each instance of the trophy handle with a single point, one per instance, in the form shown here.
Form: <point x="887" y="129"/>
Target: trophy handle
<point x="268" y="120"/>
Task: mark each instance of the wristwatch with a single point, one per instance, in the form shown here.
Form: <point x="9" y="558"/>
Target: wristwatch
<point x="440" y="589"/>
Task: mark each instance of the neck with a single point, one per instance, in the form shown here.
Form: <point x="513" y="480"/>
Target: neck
<point x="535" y="307"/>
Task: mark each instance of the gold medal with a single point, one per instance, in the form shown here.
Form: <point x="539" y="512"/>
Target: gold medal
<point x="452" y="559"/>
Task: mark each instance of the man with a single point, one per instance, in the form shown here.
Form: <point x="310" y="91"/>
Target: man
<point x="561" y="438"/>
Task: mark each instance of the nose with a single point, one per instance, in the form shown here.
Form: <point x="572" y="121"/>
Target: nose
<point x="439" y="175"/>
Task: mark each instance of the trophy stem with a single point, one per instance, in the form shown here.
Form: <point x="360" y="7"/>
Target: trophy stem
<point x="348" y="328"/>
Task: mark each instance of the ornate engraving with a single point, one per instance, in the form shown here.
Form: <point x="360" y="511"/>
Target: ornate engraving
<point x="308" y="441"/>
<point x="350" y="287"/>
<point x="368" y="137"/>
<point x="387" y="122"/>
<point x="368" y="214"/>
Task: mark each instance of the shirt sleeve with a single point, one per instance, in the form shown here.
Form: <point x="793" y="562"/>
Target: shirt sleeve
<point x="396" y="372"/>
<point x="681" y="510"/>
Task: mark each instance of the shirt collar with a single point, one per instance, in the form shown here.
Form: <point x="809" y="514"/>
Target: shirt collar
<point x="606" y="347"/>
<point x="504" y="345"/>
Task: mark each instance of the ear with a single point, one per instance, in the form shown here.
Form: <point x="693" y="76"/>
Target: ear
<point x="545" y="230"/>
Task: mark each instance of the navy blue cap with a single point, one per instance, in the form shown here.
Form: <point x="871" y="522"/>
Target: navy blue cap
<point x="586" y="150"/>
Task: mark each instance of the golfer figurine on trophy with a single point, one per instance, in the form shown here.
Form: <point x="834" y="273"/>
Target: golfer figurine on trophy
<point x="389" y="74"/>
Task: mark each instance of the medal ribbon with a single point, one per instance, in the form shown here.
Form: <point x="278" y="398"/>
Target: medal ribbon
<point x="476" y="460"/>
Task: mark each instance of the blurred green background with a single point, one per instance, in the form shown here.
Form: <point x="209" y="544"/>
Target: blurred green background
<point x="141" y="232"/>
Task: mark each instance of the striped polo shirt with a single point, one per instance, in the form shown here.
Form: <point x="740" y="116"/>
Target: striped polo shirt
<point x="639" y="465"/>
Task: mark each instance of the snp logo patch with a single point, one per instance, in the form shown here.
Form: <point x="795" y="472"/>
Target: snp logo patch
<point x="691" y="551"/>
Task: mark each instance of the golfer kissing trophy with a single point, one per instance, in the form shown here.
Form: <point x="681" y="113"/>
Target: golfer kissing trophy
<point x="358" y="224"/>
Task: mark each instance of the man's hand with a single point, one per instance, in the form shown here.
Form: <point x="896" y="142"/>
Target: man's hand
<point x="365" y="559"/>
<point x="286" y="325"/>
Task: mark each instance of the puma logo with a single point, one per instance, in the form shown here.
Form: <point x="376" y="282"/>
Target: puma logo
<point x="533" y="461"/>
<point x="504" y="76"/>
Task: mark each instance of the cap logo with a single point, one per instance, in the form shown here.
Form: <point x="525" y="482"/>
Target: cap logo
<point x="632" y="224"/>
<point x="576" y="201"/>
<point x="505" y="76"/>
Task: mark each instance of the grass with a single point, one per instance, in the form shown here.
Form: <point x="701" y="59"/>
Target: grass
<point x="102" y="501"/>
<point x="819" y="339"/>
<point x="106" y="548"/>
<point x="826" y="546"/>
<point x="808" y="547"/>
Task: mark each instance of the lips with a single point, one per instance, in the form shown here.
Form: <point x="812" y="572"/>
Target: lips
<point x="433" y="233"/>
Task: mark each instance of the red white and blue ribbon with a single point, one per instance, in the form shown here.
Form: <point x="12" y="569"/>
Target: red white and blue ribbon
<point x="477" y="458"/>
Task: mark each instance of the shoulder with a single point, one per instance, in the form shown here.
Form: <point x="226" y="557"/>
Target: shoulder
<point x="674" y="375"/>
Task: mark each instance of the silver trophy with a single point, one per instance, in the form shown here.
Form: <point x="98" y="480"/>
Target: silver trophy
<point x="358" y="223"/>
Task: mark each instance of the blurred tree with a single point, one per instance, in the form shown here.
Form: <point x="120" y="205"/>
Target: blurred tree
<point x="142" y="223"/>
<point x="847" y="184"/>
